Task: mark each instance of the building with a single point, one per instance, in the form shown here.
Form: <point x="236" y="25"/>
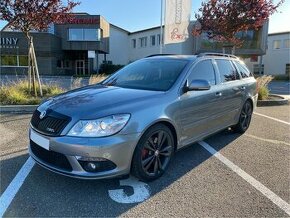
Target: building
<point x="82" y="44"/>
<point x="276" y="61"/>
<point x="65" y="49"/>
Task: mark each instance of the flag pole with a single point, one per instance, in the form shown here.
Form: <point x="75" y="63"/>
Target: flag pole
<point x="161" y="27"/>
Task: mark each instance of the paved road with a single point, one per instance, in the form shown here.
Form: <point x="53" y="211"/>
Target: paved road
<point x="196" y="184"/>
<point x="280" y="87"/>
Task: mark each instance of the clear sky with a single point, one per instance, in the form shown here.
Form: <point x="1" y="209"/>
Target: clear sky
<point x="135" y="15"/>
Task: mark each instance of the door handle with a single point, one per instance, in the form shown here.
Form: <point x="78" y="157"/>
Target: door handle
<point x="218" y="94"/>
<point x="243" y="88"/>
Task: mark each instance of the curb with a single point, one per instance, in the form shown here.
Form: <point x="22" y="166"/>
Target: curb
<point x="18" y="108"/>
<point x="276" y="102"/>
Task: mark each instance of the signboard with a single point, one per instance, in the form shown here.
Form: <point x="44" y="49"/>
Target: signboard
<point x="177" y="18"/>
<point x="7" y="42"/>
<point x="91" y="54"/>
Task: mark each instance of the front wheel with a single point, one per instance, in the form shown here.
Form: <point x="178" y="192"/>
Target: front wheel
<point x="153" y="153"/>
<point x="245" y="118"/>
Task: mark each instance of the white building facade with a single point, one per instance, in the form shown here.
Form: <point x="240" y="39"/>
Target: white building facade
<point x="276" y="61"/>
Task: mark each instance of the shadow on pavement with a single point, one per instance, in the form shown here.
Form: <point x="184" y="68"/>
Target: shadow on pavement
<point x="48" y="194"/>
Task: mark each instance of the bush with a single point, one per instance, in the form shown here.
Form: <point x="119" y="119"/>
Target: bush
<point x="263" y="93"/>
<point x="282" y="77"/>
<point x="262" y="85"/>
<point x="108" y="68"/>
<point x="96" y="78"/>
<point x="18" y="93"/>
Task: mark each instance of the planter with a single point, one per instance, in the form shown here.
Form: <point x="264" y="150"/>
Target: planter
<point x="273" y="100"/>
<point x="18" y="108"/>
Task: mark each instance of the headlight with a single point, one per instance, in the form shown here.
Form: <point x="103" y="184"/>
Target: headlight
<point x="105" y="126"/>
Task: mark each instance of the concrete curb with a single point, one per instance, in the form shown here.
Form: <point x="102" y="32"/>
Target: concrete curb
<point x="18" y="108"/>
<point x="280" y="101"/>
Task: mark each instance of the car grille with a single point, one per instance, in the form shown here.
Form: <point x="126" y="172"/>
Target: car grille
<point x="50" y="157"/>
<point x="52" y="124"/>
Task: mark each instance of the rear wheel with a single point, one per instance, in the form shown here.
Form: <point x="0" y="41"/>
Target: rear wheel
<point x="153" y="153"/>
<point x="245" y="118"/>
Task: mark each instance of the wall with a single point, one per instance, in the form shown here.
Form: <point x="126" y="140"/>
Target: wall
<point x="275" y="60"/>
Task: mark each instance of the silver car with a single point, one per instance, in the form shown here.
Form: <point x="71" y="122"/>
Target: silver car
<point x="136" y="119"/>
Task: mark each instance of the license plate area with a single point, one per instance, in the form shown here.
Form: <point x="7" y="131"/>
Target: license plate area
<point x="39" y="140"/>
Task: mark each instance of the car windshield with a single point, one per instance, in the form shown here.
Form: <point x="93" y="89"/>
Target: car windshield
<point x="156" y="75"/>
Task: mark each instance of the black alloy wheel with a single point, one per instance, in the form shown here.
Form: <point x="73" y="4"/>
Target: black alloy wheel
<point x="153" y="153"/>
<point x="245" y="118"/>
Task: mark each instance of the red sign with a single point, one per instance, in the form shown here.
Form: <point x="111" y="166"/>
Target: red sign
<point x="84" y="21"/>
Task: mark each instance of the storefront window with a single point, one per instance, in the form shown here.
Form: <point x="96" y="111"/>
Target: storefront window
<point x="14" y="60"/>
<point x="9" y="60"/>
<point x="84" y="34"/>
<point x="23" y="60"/>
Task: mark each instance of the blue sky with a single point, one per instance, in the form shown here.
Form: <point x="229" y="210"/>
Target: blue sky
<point x="135" y="15"/>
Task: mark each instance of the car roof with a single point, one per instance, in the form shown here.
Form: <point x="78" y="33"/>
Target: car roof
<point x="172" y="56"/>
<point x="192" y="57"/>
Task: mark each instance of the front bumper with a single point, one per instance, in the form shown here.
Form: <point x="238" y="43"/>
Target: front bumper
<point x="65" y="151"/>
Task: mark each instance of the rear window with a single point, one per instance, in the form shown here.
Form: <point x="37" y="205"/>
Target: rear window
<point x="243" y="70"/>
<point x="227" y="70"/>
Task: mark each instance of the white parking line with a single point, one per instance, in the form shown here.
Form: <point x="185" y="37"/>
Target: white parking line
<point x="272" y="118"/>
<point x="10" y="192"/>
<point x="251" y="180"/>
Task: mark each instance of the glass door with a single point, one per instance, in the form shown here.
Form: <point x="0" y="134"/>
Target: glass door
<point x="80" y="67"/>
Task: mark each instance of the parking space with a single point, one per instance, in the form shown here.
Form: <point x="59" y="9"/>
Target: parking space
<point x="196" y="183"/>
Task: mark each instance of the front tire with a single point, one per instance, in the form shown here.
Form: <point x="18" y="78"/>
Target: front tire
<point x="245" y="118"/>
<point x="153" y="153"/>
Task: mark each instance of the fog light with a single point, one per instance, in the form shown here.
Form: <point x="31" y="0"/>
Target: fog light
<point x="92" y="166"/>
<point x="96" y="164"/>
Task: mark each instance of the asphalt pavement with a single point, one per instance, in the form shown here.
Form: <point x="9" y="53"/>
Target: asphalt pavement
<point x="244" y="176"/>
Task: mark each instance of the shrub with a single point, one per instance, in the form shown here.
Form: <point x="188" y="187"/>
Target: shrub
<point x="108" y="68"/>
<point x="282" y="77"/>
<point x="18" y="93"/>
<point x="96" y="78"/>
<point x="262" y="86"/>
<point x="263" y="93"/>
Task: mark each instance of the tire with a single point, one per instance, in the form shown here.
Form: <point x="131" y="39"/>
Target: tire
<point x="245" y="118"/>
<point x="153" y="153"/>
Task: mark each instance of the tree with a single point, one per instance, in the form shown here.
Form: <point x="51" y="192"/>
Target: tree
<point x="34" y="15"/>
<point x="221" y="20"/>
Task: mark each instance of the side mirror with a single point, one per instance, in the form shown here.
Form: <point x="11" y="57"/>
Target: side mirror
<point x="197" y="85"/>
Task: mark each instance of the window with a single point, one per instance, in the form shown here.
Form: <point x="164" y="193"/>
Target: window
<point x="153" y="40"/>
<point x="134" y="43"/>
<point x="287" y="70"/>
<point x="203" y="70"/>
<point x="84" y="34"/>
<point x="158" y="39"/>
<point x="226" y="70"/>
<point x="23" y="60"/>
<point x="276" y="44"/>
<point x="148" y="74"/>
<point x="257" y="68"/>
<point x="14" y="60"/>
<point x="243" y="70"/>
<point x="143" y="42"/>
<point x="287" y="43"/>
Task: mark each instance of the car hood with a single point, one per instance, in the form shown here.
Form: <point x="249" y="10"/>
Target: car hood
<point x="97" y="100"/>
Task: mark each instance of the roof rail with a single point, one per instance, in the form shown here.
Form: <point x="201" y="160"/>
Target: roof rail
<point x="153" y="55"/>
<point x="216" y="54"/>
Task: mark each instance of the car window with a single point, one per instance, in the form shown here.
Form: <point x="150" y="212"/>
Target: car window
<point x="226" y="70"/>
<point x="203" y="70"/>
<point x="148" y="74"/>
<point x="243" y="70"/>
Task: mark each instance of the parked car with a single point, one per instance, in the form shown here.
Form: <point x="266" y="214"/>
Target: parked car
<point x="135" y="120"/>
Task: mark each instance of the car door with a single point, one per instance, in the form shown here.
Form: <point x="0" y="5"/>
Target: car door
<point x="232" y="90"/>
<point x="199" y="110"/>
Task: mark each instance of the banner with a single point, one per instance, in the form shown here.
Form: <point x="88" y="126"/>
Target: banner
<point x="177" y="18"/>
